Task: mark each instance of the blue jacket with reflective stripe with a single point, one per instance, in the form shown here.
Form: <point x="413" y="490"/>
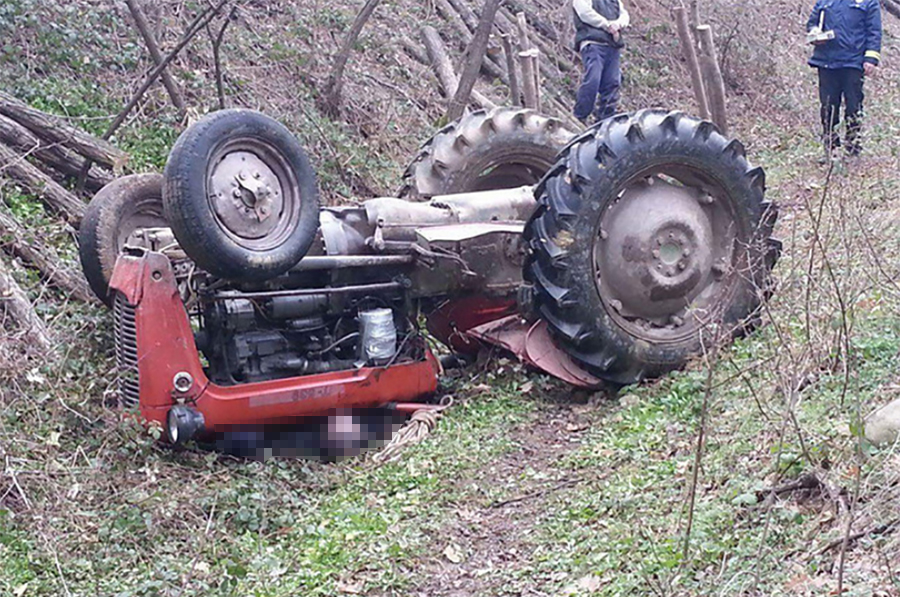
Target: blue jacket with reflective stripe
<point x="857" y="33"/>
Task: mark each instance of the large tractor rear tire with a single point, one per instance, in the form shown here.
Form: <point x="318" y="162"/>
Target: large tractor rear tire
<point x="482" y="151"/>
<point x="651" y="239"/>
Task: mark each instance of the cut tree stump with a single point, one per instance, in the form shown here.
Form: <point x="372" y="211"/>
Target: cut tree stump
<point x="15" y="240"/>
<point x="15" y="307"/>
<point x="58" y="199"/>
<point x="54" y="129"/>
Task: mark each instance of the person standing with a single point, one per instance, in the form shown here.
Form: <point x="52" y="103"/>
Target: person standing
<point x="843" y="62"/>
<point x="598" y="39"/>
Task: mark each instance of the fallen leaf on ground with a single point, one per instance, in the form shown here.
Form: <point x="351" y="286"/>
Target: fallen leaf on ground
<point x="454" y="553"/>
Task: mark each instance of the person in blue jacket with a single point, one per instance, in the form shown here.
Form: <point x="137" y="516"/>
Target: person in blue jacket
<point x="598" y="38"/>
<point x="843" y="63"/>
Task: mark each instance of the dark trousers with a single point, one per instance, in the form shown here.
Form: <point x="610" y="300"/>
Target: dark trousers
<point x="836" y="84"/>
<point x="601" y="80"/>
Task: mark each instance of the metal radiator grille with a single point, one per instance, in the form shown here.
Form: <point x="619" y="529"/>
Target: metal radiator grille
<point x="129" y="384"/>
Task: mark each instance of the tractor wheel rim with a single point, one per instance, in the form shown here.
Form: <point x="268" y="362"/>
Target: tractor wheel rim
<point x="664" y="254"/>
<point x="140" y="215"/>
<point x="254" y="193"/>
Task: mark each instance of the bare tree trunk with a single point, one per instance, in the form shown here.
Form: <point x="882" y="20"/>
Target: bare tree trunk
<point x="54" y="155"/>
<point x="14" y="305"/>
<point x="57" y="198"/>
<point x="14" y="237"/>
<point x="444" y="69"/>
<point x="715" y="84"/>
<point x="54" y="129"/>
<point x="332" y="94"/>
<point x="514" y="94"/>
<point x="474" y="58"/>
<point x="216" y="42"/>
<point x="690" y="55"/>
<point x="144" y="27"/>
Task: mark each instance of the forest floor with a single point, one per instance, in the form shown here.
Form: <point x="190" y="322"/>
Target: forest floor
<point x="525" y="487"/>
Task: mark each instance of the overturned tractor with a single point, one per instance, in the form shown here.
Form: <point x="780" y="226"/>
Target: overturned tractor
<point x="604" y="257"/>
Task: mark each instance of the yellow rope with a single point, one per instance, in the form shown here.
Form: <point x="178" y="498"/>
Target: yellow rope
<point x="420" y="424"/>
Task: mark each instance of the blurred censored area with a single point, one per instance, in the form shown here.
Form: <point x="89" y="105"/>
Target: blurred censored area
<point x="342" y="435"/>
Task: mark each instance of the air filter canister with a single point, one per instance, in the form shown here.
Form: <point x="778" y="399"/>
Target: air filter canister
<point x="379" y="335"/>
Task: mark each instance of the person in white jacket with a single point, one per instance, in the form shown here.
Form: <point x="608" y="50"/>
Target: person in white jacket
<point x="598" y="39"/>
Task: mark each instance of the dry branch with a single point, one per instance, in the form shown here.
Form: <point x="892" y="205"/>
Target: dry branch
<point x="489" y="66"/>
<point x="216" y="42"/>
<point x="144" y="27"/>
<point x="892" y="7"/>
<point x="690" y="56"/>
<point x="56" y="156"/>
<point x="712" y="77"/>
<point x="55" y="130"/>
<point x="51" y="193"/>
<point x="15" y="306"/>
<point x="475" y="55"/>
<point x="14" y="239"/>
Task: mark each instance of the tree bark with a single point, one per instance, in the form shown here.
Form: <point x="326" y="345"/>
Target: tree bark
<point x="474" y="57"/>
<point x="52" y="194"/>
<point x="55" y="130"/>
<point x="514" y="94"/>
<point x="892" y="7"/>
<point x="488" y="66"/>
<point x="690" y="56"/>
<point x="444" y="69"/>
<point x="712" y="75"/>
<point x="144" y="27"/>
<point x="335" y="80"/>
<point x="14" y="305"/>
<point x="55" y="156"/>
<point x="14" y="238"/>
<point x="466" y="12"/>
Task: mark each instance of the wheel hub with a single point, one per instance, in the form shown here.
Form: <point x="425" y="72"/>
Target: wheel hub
<point x="245" y="192"/>
<point x="655" y="251"/>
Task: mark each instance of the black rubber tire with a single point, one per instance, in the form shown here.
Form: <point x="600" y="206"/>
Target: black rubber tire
<point x="591" y="173"/>
<point x="503" y="148"/>
<point x="190" y="213"/>
<point x="117" y="210"/>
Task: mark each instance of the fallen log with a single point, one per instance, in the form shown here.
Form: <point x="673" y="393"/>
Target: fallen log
<point x="489" y="66"/>
<point x="440" y="62"/>
<point x="58" y="199"/>
<point x="56" y="156"/>
<point x="54" y="129"/>
<point x="15" y="240"/>
<point x="466" y="13"/>
<point x="15" y="306"/>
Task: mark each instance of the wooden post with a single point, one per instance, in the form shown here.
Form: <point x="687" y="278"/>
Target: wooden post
<point x="536" y="55"/>
<point x="690" y="55"/>
<point x="528" y="79"/>
<point x="712" y="75"/>
<point x="514" y="94"/>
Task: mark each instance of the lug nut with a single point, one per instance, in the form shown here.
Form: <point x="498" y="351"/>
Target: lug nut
<point x="676" y="321"/>
<point x="236" y="193"/>
<point x="256" y="175"/>
<point x="603" y="234"/>
<point x="656" y="253"/>
<point x="682" y="265"/>
<point x="615" y="304"/>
